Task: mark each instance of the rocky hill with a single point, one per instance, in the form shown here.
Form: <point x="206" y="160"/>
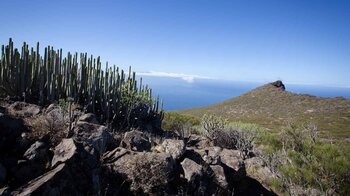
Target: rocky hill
<point x="40" y="155"/>
<point x="272" y="106"/>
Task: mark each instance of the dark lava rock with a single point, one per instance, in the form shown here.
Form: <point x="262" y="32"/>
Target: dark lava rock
<point x="136" y="140"/>
<point x="37" y="152"/>
<point x="279" y="84"/>
<point x="10" y="129"/>
<point x="23" y="109"/>
<point x="89" y="117"/>
<point x="94" y="137"/>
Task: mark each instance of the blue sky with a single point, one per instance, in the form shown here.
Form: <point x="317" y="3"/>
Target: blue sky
<point x="298" y="41"/>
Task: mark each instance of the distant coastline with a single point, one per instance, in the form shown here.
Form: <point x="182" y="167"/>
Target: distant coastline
<point x="179" y="94"/>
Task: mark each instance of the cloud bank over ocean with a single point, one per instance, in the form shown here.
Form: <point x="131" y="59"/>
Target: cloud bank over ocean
<point x="186" y="77"/>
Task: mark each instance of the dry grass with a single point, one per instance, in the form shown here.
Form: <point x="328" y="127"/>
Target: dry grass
<point x="272" y="108"/>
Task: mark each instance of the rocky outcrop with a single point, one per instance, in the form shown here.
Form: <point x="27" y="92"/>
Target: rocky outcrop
<point x="92" y="160"/>
<point x="63" y="152"/>
<point x="199" y="142"/>
<point x="176" y="148"/>
<point x="22" y="109"/>
<point x="257" y="169"/>
<point x="136" y="140"/>
<point x="192" y="171"/>
<point x="43" y="185"/>
<point x="219" y="177"/>
<point x="220" y="170"/>
<point x="96" y="138"/>
<point x="278" y="84"/>
<point x="37" y="152"/>
<point x="69" y="163"/>
<point x="89" y="117"/>
<point x="11" y="128"/>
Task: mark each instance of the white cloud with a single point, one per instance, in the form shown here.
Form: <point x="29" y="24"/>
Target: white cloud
<point x="186" y="77"/>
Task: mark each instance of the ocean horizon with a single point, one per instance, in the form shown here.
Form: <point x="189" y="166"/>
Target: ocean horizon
<point x="179" y="94"/>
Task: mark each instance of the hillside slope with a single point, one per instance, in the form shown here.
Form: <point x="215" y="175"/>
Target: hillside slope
<point x="272" y="106"/>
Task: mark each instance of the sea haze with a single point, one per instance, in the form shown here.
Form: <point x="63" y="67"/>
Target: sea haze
<point x="179" y="94"/>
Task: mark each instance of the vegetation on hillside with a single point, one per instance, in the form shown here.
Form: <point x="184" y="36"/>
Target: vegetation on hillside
<point x="179" y="123"/>
<point x="116" y="98"/>
<point x="303" y="159"/>
<point x="273" y="108"/>
<point x="231" y="137"/>
<point x="297" y="155"/>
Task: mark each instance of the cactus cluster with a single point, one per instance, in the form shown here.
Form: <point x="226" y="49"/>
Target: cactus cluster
<point x="110" y="93"/>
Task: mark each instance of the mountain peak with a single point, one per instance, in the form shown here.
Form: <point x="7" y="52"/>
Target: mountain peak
<point x="271" y="106"/>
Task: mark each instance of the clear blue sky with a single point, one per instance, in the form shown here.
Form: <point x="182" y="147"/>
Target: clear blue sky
<point x="298" y="41"/>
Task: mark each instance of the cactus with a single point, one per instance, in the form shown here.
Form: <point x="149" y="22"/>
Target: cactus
<point x="113" y="97"/>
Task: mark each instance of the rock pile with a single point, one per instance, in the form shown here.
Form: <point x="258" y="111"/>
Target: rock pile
<point x="91" y="161"/>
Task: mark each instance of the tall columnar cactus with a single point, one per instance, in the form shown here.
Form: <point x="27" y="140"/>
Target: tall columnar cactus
<point x="113" y="97"/>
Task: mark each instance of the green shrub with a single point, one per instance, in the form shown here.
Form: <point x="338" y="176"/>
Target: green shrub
<point x="275" y="184"/>
<point x="305" y="160"/>
<point x="179" y="123"/>
<point x="212" y="124"/>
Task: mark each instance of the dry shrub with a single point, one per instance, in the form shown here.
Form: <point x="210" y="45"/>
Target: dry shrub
<point x="48" y="125"/>
<point x="227" y="137"/>
<point x="149" y="174"/>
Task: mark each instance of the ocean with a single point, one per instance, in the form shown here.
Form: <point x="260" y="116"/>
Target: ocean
<point x="178" y="94"/>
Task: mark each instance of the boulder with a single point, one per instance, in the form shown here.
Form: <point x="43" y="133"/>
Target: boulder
<point x="37" y="152"/>
<point x="114" y="143"/>
<point x="24" y="171"/>
<point x="22" y="109"/>
<point x="56" y="114"/>
<point x="53" y="108"/>
<point x="196" y="179"/>
<point x="232" y="162"/>
<point x="146" y="172"/>
<point x="10" y="129"/>
<point x="95" y="138"/>
<point x="217" y="155"/>
<point x="23" y="143"/>
<point x="74" y="172"/>
<point x="176" y="148"/>
<point x="199" y="142"/>
<point x="80" y="164"/>
<point x="136" y="140"/>
<point x="229" y="160"/>
<point x="191" y="169"/>
<point x="219" y="176"/>
<point x="210" y="155"/>
<point x="63" y="152"/>
<point x="61" y="114"/>
<point x="89" y="117"/>
<point x="45" y="184"/>
<point x="257" y="169"/>
<point x="5" y="191"/>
